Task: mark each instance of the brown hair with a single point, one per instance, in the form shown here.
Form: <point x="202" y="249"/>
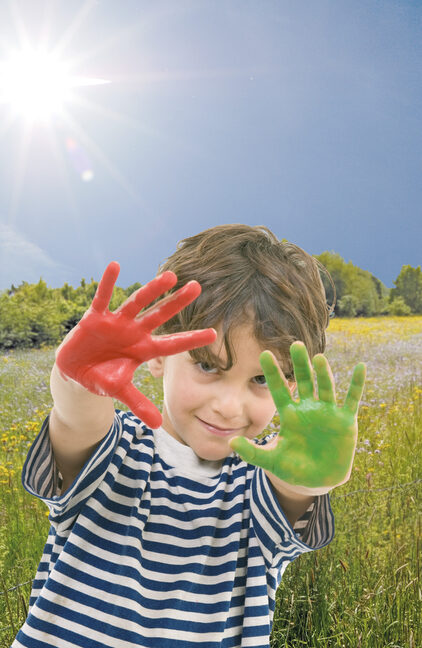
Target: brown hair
<point x="248" y="275"/>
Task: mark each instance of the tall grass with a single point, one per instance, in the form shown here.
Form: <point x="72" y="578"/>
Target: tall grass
<point x="364" y="589"/>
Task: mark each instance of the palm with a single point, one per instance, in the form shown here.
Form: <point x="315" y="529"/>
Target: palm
<point x="304" y="425"/>
<point x="95" y="353"/>
<point x="103" y="351"/>
<point x="317" y="439"/>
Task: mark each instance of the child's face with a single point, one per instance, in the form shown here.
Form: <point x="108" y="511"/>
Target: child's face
<point x="199" y="398"/>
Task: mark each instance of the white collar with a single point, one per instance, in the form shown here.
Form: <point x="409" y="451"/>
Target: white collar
<point x="182" y="458"/>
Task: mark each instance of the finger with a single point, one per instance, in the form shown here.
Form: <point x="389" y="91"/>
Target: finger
<point x="303" y="370"/>
<point x="277" y="384"/>
<point x="170" y="306"/>
<point x="105" y="288"/>
<point x="145" y="295"/>
<point x="140" y="405"/>
<point x="253" y="454"/>
<point x="325" y="379"/>
<point x="356" y="388"/>
<point x="166" y="345"/>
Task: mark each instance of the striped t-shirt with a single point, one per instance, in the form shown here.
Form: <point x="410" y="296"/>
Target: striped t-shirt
<point x="152" y="546"/>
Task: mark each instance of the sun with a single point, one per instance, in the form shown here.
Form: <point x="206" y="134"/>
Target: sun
<point x="42" y="98"/>
<point x="36" y="84"/>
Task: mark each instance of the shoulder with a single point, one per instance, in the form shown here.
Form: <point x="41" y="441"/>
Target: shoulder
<point x="132" y="429"/>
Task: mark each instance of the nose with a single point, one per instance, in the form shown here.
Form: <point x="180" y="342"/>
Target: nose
<point x="228" y="405"/>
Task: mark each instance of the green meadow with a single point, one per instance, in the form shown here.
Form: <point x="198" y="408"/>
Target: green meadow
<point x="364" y="589"/>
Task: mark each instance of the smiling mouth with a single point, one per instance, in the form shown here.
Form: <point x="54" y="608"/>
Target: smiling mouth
<point x="217" y="430"/>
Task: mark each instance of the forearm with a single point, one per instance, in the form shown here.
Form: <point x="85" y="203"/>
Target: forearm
<point x="293" y="504"/>
<point x="77" y="407"/>
<point x="78" y="422"/>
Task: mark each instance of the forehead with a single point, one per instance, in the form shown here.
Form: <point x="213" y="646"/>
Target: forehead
<point x="244" y="344"/>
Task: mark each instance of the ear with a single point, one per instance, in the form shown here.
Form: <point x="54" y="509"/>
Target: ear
<point x="156" y="366"/>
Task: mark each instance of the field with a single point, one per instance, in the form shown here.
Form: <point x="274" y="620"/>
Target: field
<point x="364" y="589"/>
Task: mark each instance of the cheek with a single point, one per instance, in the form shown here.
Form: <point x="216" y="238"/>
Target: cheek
<point x="268" y="408"/>
<point x="182" y="391"/>
<point x="264" y="410"/>
<point x="268" y="413"/>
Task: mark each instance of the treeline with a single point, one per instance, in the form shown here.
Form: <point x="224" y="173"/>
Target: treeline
<point x="360" y="294"/>
<point x="33" y="315"/>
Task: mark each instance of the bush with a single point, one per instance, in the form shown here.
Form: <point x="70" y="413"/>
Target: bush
<point x="33" y="315"/>
<point x="347" y="306"/>
<point x="399" y="307"/>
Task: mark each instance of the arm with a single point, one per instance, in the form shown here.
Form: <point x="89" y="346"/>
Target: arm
<point x="78" y="422"/>
<point x="97" y="360"/>
<point x="293" y="504"/>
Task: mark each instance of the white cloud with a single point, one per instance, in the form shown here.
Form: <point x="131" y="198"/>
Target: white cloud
<point x="21" y="260"/>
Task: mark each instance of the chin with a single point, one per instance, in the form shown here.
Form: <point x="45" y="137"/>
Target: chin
<point x="217" y="455"/>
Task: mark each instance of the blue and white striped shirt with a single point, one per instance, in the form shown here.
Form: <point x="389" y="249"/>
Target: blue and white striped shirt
<point x="152" y="546"/>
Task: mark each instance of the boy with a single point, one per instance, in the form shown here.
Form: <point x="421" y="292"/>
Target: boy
<point x="161" y="535"/>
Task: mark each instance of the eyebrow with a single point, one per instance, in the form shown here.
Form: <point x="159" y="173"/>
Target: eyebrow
<point x="217" y="360"/>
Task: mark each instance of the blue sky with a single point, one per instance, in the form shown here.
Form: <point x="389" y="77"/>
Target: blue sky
<point x="301" y="116"/>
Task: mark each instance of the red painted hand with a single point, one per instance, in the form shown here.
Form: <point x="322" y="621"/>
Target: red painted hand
<point x="105" y="348"/>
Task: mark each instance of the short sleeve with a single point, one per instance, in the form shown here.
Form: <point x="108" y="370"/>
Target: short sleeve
<point x="40" y="476"/>
<point x="278" y="540"/>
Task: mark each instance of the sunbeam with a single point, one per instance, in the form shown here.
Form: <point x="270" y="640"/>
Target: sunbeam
<point x="73" y="28"/>
<point x="38" y="87"/>
<point x="19" y="172"/>
<point x="56" y="146"/>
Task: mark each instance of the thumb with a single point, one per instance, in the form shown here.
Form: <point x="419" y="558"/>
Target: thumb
<point x="252" y="453"/>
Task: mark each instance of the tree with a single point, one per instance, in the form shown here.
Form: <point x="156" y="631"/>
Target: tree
<point x="347" y="306"/>
<point x="408" y="285"/>
<point x="335" y="266"/>
<point x="358" y="291"/>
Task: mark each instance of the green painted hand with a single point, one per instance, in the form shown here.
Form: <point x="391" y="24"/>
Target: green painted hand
<point x="317" y="439"/>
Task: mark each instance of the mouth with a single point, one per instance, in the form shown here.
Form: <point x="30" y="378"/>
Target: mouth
<point x="217" y="430"/>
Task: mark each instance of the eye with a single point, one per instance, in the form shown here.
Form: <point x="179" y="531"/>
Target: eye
<point x="206" y="368"/>
<point x="260" y="380"/>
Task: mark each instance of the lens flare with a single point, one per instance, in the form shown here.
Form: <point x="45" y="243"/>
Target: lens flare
<point x="80" y="160"/>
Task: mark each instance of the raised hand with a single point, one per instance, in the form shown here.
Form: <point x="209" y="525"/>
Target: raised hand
<point x="317" y="439"/>
<point x="105" y="348"/>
